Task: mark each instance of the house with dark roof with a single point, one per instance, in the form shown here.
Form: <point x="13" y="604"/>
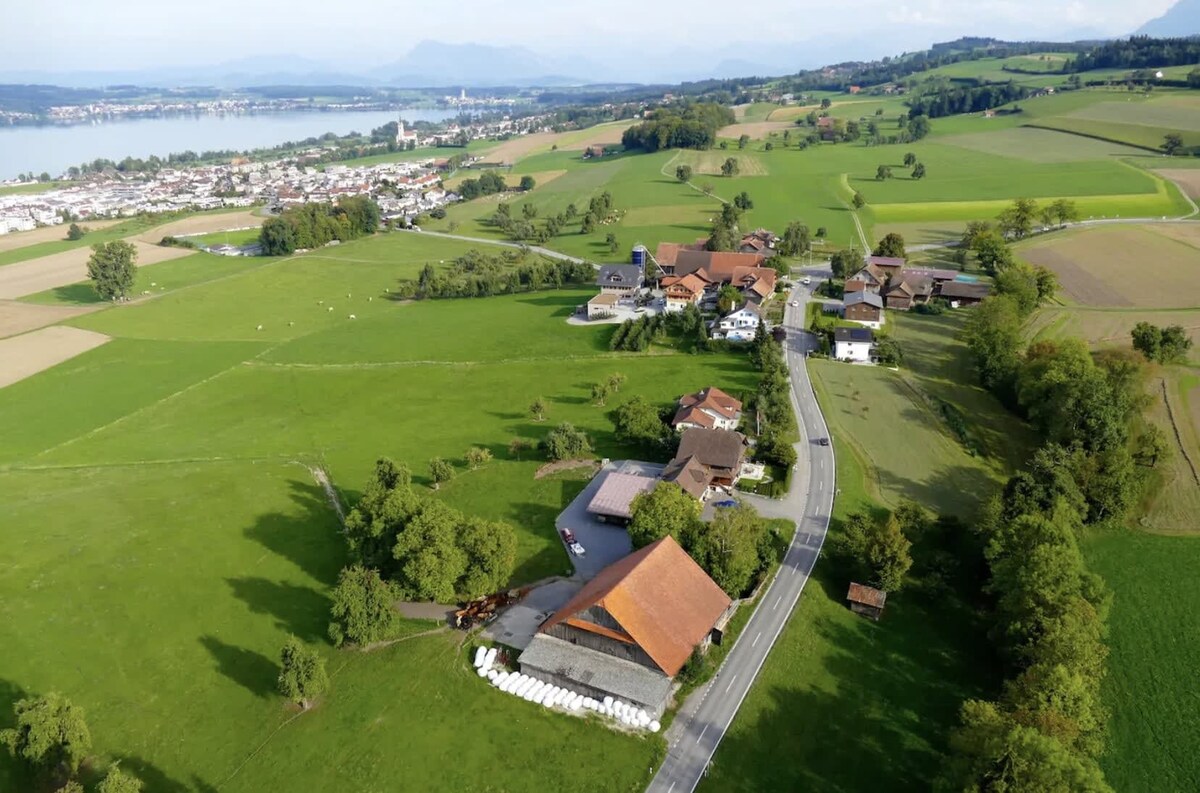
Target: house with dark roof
<point x="707" y="459"/>
<point x="853" y="344"/>
<point x="709" y="409"/>
<point x="963" y="293"/>
<point x="622" y="280"/>
<point x="759" y="241"/>
<point x="757" y="283"/>
<point x="630" y="630"/>
<point x="907" y="291"/>
<point x="864" y="307"/>
<point x="667" y="252"/>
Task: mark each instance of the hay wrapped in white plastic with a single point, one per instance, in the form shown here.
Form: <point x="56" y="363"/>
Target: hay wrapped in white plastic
<point x="608" y="702"/>
<point x="492" y="674"/>
<point x="643" y="715"/>
<point x="480" y="654"/>
<point x="481" y="672"/>
<point x="655" y="726"/>
<point x="489" y="659"/>
<point x="499" y="679"/>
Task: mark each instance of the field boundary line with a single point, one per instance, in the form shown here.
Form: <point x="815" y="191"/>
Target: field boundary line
<point x="144" y="408"/>
<point x="15" y="468"/>
<point x="255" y="364"/>
<point x="1178" y="436"/>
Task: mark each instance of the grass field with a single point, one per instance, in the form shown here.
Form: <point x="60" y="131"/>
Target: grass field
<point x="1141" y="123"/>
<point x="1094" y="265"/>
<point x="162" y="609"/>
<point x="1040" y="145"/>
<point x="240" y="237"/>
<point x="1175" y="407"/>
<point x="1151" y="684"/>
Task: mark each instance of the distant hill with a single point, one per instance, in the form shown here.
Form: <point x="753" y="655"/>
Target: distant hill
<point x="1181" y="19"/>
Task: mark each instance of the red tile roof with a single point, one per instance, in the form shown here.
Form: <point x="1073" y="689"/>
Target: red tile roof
<point x="661" y="598"/>
<point x="715" y="266"/>
<point x="867" y="596"/>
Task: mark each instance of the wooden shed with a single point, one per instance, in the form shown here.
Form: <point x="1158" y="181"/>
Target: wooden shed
<point x="866" y="601"/>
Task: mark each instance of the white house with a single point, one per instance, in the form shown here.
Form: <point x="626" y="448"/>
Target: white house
<point x="741" y="324"/>
<point x="854" y="344"/>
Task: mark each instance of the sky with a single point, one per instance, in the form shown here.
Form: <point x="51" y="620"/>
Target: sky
<point x="134" y="34"/>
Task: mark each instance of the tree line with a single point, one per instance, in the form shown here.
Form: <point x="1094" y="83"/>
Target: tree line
<point x="312" y="225"/>
<point x="477" y="274"/>
<point x="691" y="125"/>
<point x="949" y="101"/>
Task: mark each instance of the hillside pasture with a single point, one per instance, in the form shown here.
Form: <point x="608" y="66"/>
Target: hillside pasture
<point x="1107" y="327"/>
<point x="1120" y="266"/>
<point x="708" y="163"/>
<point x="1138" y="123"/>
<point x="1175" y="501"/>
<point x="26" y="355"/>
<point x="757" y="130"/>
<point x="69" y="267"/>
<point x="1188" y="179"/>
<point x="1039" y="145"/>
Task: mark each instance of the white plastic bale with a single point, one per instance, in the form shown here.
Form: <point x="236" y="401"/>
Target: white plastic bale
<point x="642" y="714"/>
<point x="489" y="659"/>
<point x="655" y="726"/>
<point x="480" y="653"/>
<point x="608" y="702"/>
<point x="481" y="672"/>
<point x="492" y="674"/>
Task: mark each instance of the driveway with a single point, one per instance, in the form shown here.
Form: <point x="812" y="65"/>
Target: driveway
<point x="603" y="543"/>
<point x="519" y="622"/>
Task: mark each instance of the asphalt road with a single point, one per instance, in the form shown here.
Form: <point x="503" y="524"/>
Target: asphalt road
<point x="702" y="721"/>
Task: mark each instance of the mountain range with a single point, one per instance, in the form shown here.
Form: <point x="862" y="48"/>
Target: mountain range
<point x="1181" y="19"/>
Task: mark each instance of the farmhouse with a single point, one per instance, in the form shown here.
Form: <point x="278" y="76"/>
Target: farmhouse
<point x="741" y="324"/>
<point x="709" y="409"/>
<point x="622" y="280"/>
<point x="617" y="492"/>
<point x="707" y="459"/>
<point x="759" y="241"/>
<point x="907" y="291"/>
<point x="631" y="628"/>
<point x="715" y="267"/>
<point x="864" y="307"/>
<point x="667" y="252"/>
<point x="866" y="601"/>
<point x="680" y="291"/>
<point x="594" y="150"/>
<point x="757" y="283"/>
<point x="853" y="344"/>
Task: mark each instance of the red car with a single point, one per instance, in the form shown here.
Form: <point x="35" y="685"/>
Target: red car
<point x="568" y="536"/>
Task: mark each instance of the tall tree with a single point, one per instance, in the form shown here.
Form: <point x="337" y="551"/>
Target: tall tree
<point x="51" y="733"/>
<point x="1017" y="220"/>
<point x="431" y="560"/>
<point x="892" y="245"/>
<point x="637" y="422"/>
<point x="666" y="509"/>
<point x="363" y="610"/>
<point x="889" y="555"/>
<point x="919" y="171"/>
<point x="113" y="269"/>
<point x="795" y="240"/>
<point x="993" y="336"/>
<point x="731" y="548"/>
<point x="992" y="251"/>
<point x="440" y="471"/>
<point x="118" y="781"/>
<point x="565" y="442"/>
<point x="537" y="409"/>
<point x="684" y="173"/>
<point x="729" y="167"/>
<point x="302" y="675"/>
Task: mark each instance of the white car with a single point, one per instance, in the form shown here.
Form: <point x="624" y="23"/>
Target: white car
<point x="794" y="303"/>
<point x="577" y="549"/>
<point x="807" y="280"/>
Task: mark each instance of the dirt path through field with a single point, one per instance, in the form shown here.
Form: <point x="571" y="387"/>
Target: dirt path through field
<point x="20" y="239"/>
<point x="69" y="267"/>
<point x="17" y="318"/>
<point x="23" y="356"/>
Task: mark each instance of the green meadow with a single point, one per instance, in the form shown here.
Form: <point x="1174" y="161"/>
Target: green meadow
<point x="163" y="533"/>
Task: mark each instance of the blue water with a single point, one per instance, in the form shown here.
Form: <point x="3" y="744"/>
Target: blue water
<point x="970" y="279"/>
<point x="55" y="148"/>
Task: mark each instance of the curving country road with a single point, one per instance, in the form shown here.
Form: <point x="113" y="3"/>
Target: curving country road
<point x="702" y="721"/>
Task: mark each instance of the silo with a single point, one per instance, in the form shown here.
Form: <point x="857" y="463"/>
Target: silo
<point x="639" y="255"/>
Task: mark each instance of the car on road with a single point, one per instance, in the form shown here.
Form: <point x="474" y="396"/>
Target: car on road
<point x="568" y="536"/>
<point x="577" y="549"/>
<point x="807" y="280"/>
<point x="823" y="441"/>
<point x="728" y="502"/>
<point x="794" y="303"/>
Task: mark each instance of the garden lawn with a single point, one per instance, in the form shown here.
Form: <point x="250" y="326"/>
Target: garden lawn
<point x="1153" y="640"/>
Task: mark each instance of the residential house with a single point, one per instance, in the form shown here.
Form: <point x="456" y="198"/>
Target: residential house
<point x="864" y="307"/>
<point x="680" y="291"/>
<point x="631" y="629"/>
<point x="759" y="241"/>
<point x="613" y="499"/>
<point x="622" y="280"/>
<point x="962" y="293"/>
<point x="709" y="409"/>
<point x="825" y="127"/>
<point x="741" y="324"/>
<point x="867" y="601"/>
<point x="757" y="283"/>
<point x="907" y="291"/>
<point x="853" y="344"/>
<point x="594" y="150"/>
<point x="707" y="459"/>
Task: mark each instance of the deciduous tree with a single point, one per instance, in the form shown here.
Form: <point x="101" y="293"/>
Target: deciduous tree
<point x="362" y="610"/>
<point x="637" y="422"/>
<point x="918" y="171"/>
<point x="795" y="240"/>
<point x="684" y="173"/>
<point x="113" y="269"/>
<point x="731" y="548"/>
<point x="565" y="442"/>
<point x="666" y="509"/>
<point x="729" y="167"/>
<point x="891" y="245"/>
<point x="440" y="471"/>
<point x="118" y="781"/>
<point x="302" y="675"/>
<point x="51" y="733"/>
<point x="537" y="409"/>
<point x="477" y="456"/>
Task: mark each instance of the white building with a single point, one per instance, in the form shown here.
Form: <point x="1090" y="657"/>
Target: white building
<point x="741" y="324"/>
<point x="853" y="344"/>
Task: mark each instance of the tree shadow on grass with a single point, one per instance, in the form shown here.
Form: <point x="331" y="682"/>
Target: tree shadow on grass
<point x="538" y="519"/>
<point x="81" y="293"/>
<point x="155" y="780"/>
<point x="252" y="671"/>
<point x="13" y="775"/>
<point x="301" y="611"/>
<point x="310" y="538"/>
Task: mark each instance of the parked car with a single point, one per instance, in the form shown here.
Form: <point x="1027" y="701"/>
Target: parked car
<point x="568" y="536"/>
<point x="577" y="549"/>
<point x="728" y="502"/>
<point x="823" y="441"/>
<point x="807" y="280"/>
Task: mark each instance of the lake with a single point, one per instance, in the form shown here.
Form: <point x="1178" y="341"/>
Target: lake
<point x="56" y="148"/>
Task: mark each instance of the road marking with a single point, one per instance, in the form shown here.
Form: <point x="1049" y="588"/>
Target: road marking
<point x="756" y="638"/>
<point x="820" y="465"/>
<point x="701" y="735"/>
<point x="777" y="602"/>
<point x="672" y="787"/>
<point x="730" y="684"/>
